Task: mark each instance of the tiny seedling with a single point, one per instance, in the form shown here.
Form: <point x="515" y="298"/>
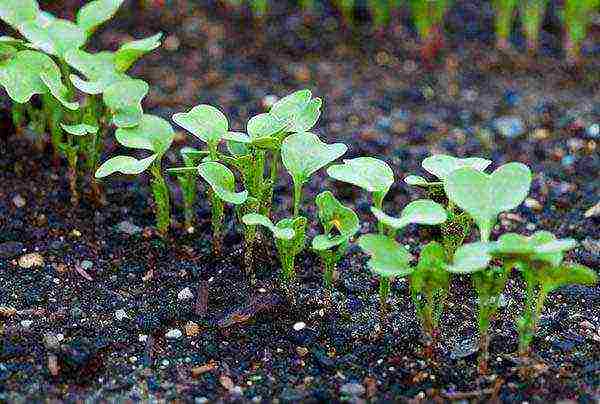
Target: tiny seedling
<point x="340" y="224"/>
<point x="299" y="110"/>
<point x="290" y="238"/>
<point x="577" y="17"/>
<point x="428" y="18"/>
<point x="458" y="226"/>
<point x="155" y="135"/>
<point x="188" y="184"/>
<point x="532" y="14"/>
<point x="70" y="149"/>
<point x="505" y="13"/>
<point x="303" y="154"/>
<point x="368" y="173"/>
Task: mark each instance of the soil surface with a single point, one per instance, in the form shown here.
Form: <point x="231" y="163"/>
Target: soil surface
<point x="95" y="306"/>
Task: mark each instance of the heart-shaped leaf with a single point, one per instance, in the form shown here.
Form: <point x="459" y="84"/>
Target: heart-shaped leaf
<point x="254" y="219"/>
<point x="52" y="79"/>
<point x="264" y="130"/>
<point x="371" y="174"/>
<point x="17" y="12"/>
<point x="130" y="52"/>
<point x="124" y="164"/>
<point x="21" y="76"/>
<point x="388" y="257"/>
<point x="205" y="122"/>
<point x="222" y="181"/>
<point x="56" y="38"/>
<point x="96" y="13"/>
<point x="540" y="246"/>
<point x="471" y="258"/>
<point x="333" y="215"/>
<point x="153" y="133"/>
<point x="303" y="154"/>
<point x="484" y="196"/>
<point x="442" y="165"/>
<point x="422" y="211"/>
<point x="81" y="129"/>
<point x="430" y="274"/>
<point x="299" y="111"/>
<point x="98" y="68"/>
<point x="124" y="99"/>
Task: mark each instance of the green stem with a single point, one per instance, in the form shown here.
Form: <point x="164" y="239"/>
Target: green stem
<point x="160" y="191"/>
<point x="378" y="202"/>
<point x="217" y="211"/>
<point x="297" y="197"/>
<point x="384" y="292"/>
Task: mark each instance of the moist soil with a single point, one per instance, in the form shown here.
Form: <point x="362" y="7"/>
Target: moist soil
<point x="105" y="310"/>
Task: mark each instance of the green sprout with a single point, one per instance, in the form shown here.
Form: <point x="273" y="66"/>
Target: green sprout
<point x="70" y="149"/>
<point x="290" y="238"/>
<point x="532" y="13"/>
<point x="577" y="17"/>
<point x="340" y="224"/>
<point x="303" y="154"/>
<point x="458" y="226"/>
<point x="188" y="183"/>
<point x="505" y="13"/>
<point x="155" y="135"/>
<point x="428" y="17"/>
<point x="368" y="173"/>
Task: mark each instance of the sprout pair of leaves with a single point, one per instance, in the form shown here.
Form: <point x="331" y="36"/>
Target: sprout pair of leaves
<point x="290" y="238"/>
<point x="340" y="224"/>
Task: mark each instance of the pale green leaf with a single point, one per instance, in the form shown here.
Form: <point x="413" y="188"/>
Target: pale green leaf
<point x="422" y="211"/>
<point x="303" y="154"/>
<point x="98" y="68"/>
<point x="419" y="181"/>
<point x="368" y="173"/>
<point x="254" y="219"/>
<point x="442" y="165"/>
<point x="124" y="164"/>
<point x="222" y="181"/>
<point x="130" y="52"/>
<point x="388" y="257"/>
<point x="153" y="133"/>
<point x="471" y="258"/>
<point x="81" y="129"/>
<point x="553" y="278"/>
<point x="299" y="111"/>
<point x="205" y="122"/>
<point x="124" y="99"/>
<point x="58" y="37"/>
<point x="96" y="13"/>
<point x="334" y="216"/>
<point x="17" y="12"/>
<point x="52" y="79"/>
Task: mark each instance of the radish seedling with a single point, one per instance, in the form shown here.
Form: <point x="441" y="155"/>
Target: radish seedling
<point x="532" y="14"/>
<point x="368" y="173"/>
<point x="71" y="149"/>
<point x="577" y="17"/>
<point x="187" y="182"/>
<point x="340" y="224"/>
<point x="153" y="134"/>
<point x="505" y="12"/>
<point x="304" y="154"/>
<point x="428" y="17"/>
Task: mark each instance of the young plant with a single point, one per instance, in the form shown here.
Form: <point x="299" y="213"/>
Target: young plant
<point x="155" y="135"/>
<point x="577" y="16"/>
<point x="428" y="17"/>
<point x="505" y="13"/>
<point x="458" y="226"/>
<point x="368" y="173"/>
<point x="532" y="14"/>
<point x="483" y="197"/>
<point x="188" y="183"/>
<point x="71" y="151"/>
<point x="304" y="154"/>
<point x="290" y="238"/>
<point x="340" y="224"/>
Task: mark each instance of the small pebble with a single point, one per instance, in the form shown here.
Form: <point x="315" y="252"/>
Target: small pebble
<point x="192" y="329"/>
<point x="31" y="260"/>
<point x="120" y="314"/>
<point x="26" y="323"/>
<point x="19" y="201"/>
<point x="299" y="326"/>
<point x="353" y="389"/>
<point x="86" y="265"/>
<point x="185" y="294"/>
<point x="174" y="334"/>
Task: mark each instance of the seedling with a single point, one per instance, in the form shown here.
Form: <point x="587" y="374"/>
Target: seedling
<point x="304" y="154"/>
<point x="428" y="17"/>
<point x="70" y="149"/>
<point x="458" y="226"/>
<point x="417" y="212"/>
<point x="577" y="16"/>
<point x="532" y="13"/>
<point x="290" y="238"/>
<point x="340" y="224"/>
<point x="187" y="182"/>
<point x="368" y="173"/>
<point x="153" y="134"/>
<point x="505" y="12"/>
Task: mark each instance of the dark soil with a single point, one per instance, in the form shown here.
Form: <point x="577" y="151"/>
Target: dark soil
<point x="66" y="340"/>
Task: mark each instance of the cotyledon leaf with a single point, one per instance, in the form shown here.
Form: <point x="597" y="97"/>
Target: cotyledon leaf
<point x="125" y="165"/>
<point x="222" y="181"/>
<point x="124" y="99"/>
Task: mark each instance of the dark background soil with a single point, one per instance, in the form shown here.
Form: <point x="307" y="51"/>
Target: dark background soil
<point x="67" y="341"/>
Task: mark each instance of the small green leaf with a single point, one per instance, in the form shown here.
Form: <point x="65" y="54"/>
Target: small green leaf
<point x="79" y="130"/>
<point x="419" y="181"/>
<point x="442" y="165"/>
<point x="388" y="257"/>
<point x="541" y="246"/>
<point x="334" y="215"/>
<point x="368" y="173"/>
<point x="130" y="52"/>
<point x="153" y="133"/>
<point x="205" y="122"/>
<point x="484" y="196"/>
<point x="263" y="130"/>
<point x="422" y="211"/>
<point x="303" y="154"/>
<point x="471" y="258"/>
<point x="222" y="181"/>
<point x="254" y="219"/>
<point x="124" y="99"/>
<point x="6" y="52"/>
<point x="56" y="38"/>
<point x="96" y="13"/>
<point x="52" y="80"/>
<point x="124" y="164"/>
<point x="553" y="278"/>
<point x="430" y="273"/>
<point x="98" y="68"/>
<point x="17" y="12"/>
<point x="237" y="137"/>
<point x="298" y="110"/>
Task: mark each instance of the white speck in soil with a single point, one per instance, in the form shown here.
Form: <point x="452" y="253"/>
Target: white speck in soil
<point x="174" y="334"/>
<point x="185" y="294"/>
<point x="299" y="326"/>
<point x="19" y="201"/>
<point x="120" y="314"/>
<point x="26" y="323"/>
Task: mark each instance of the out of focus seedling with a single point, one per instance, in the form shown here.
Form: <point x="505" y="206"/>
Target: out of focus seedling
<point x="303" y="154"/>
<point x="577" y="17"/>
<point x="458" y="226"/>
<point x="70" y="149"/>
<point x="368" y="173"/>
<point x="505" y="13"/>
<point x="155" y="135"/>
<point x="532" y="14"/>
<point x="340" y="224"/>
<point x="428" y="18"/>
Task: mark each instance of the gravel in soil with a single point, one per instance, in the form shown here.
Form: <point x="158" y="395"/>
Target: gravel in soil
<point x="96" y="306"/>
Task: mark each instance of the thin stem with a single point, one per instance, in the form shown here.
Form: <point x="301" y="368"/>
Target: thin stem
<point x="161" y="199"/>
<point x="297" y="197"/>
<point x="378" y="202"/>
<point x="384" y="292"/>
